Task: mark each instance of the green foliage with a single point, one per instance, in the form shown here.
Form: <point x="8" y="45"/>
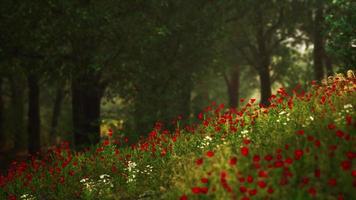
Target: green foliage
<point x="342" y="32"/>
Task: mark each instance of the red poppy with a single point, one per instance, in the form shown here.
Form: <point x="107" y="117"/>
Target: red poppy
<point x="317" y="173"/>
<point x="244" y="151"/>
<point x="241" y="179"/>
<point x="348" y="120"/>
<point x="110" y="132"/>
<point x="317" y="143"/>
<point x="256" y="158"/>
<point x="183" y="197"/>
<point x="310" y="138"/>
<point x="312" y="191"/>
<point x="331" y="126"/>
<point x="289" y="160"/>
<point x="346" y="165"/>
<point x="261" y="184"/>
<point x="204" y="180"/>
<point x="300" y="132"/>
<point x="262" y="173"/>
<point x="268" y="157"/>
<point x="252" y="192"/>
<point x="246" y="141"/>
<point x="243" y="189"/>
<point x="278" y="164"/>
<point x="210" y="154"/>
<point x="332" y="182"/>
<point x="199" y="161"/>
<point x="249" y="179"/>
<point x="305" y="180"/>
<point x="339" y="133"/>
<point x="233" y="161"/>
<point x="298" y="154"/>
<point x="270" y="190"/>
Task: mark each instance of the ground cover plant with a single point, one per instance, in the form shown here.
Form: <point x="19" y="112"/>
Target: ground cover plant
<point x="302" y="146"/>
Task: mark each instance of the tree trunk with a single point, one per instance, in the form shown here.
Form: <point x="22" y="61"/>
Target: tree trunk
<point x="86" y="99"/>
<point x="265" y="81"/>
<point x="318" y="44"/>
<point x="328" y="64"/>
<point x="56" y="112"/>
<point x="2" y="132"/>
<point x="17" y="112"/>
<point x="185" y="97"/>
<point x="34" y="137"/>
<point x="233" y="87"/>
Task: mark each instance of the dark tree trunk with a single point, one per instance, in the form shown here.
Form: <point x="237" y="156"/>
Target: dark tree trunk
<point x="318" y="53"/>
<point x="2" y="132"/>
<point x="17" y="112"/>
<point x="34" y="137"/>
<point x="265" y="81"/>
<point x="56" y="112"/>
<point x="86" y="98"/>
<point x="185" y="97"/>
<point x="328" y="64"/>
<point x="233" y="85"/>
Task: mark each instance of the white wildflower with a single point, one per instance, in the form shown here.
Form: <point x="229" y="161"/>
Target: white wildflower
<point x="347" y="106"/>
<point x="311" y="118"/>
<point x="27" y="197"/>
<point x="84" y="180"/>
<point x="104" y="176"/>
<point x="282" y="113"/>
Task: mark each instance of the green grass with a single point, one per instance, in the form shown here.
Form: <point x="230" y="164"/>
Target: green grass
<point x="288" y="144"/>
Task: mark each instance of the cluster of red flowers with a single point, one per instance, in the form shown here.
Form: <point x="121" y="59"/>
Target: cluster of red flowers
<point x="284" y="163"/>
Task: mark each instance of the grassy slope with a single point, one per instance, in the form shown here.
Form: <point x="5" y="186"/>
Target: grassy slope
<point x="288" y="145"/>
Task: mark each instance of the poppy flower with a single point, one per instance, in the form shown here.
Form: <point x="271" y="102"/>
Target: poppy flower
<point x="246" y="141"/>
<point x="312" y="191"/>
<point x="249" y="179"/>
<point x="268" y="157"/>
<point x="339" y="133"/>
<point x="252" y="192"/>
<point x="331" y="126"/>
<point x="110" y="132"/>
<point x="244" y="151"/>
<point x="348" y="120"/>
<point x="346" y="165"/>
<point x="332" y="182"/>
<point x="210" y="154"/>
<point x="298" y="154"/>
<point x="262" y="173"/>
<point x="300" y="132"/>
<point x="270" y="190"/>
<point x="317" y="173"/>
<point x="256" y="158"/>
<point x="353" y="173"/>
<point x="199" y="161"/>
<point x="183" y="197"/>
<point x="243" y="189"/>
<point x="204" y="180"/>
<point x="261" y="184"/>
<point x="289" y="161"/>
<point x="233" y="161"/>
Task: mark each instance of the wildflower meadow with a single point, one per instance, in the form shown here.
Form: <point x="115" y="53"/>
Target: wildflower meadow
<point x="301" y="147"/>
